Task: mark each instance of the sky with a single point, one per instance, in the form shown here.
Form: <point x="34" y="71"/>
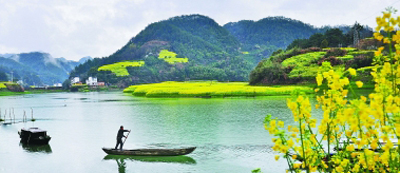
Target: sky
<point x="77" y="28"/>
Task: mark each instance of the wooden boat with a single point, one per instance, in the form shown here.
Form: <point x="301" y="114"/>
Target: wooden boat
<point x="150" y="152"/>
<point x="34" y="135"/>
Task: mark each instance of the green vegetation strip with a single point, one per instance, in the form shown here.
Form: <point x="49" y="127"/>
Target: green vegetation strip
<point x="213" y="89"/>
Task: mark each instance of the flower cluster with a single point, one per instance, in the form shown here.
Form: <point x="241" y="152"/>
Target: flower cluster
<point x="354" y="135"/>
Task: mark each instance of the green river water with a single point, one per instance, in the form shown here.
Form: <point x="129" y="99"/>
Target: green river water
<point x="228" y="133"/>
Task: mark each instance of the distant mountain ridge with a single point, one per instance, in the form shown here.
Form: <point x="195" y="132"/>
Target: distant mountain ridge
<point x="37" y="68"/>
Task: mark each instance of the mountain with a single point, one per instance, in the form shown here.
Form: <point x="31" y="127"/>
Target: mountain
<point x="277" y="31"/>
<point x="194" y="36"/>
<point x="265" y="36"/>
<point x="84" y="59"/>
<point x="7" y="55"/>
<point x="37" y="68"/>
<point x="214" y="52"/>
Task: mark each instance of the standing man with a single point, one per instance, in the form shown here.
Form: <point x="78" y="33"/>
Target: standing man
<point x="119" y="137"/>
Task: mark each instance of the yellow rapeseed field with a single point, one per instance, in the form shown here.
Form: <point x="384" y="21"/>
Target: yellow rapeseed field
<point x="212" y="89"/>
<point x="119" y="68"/>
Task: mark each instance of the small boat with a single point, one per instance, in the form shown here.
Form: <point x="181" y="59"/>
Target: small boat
<point x="34" y="135"/>
<point x="150" y="152"/>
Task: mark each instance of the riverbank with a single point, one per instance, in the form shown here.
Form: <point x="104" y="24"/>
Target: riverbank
<point x="209" y="89"/>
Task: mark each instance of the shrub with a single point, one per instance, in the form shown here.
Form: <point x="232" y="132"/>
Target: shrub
<point x="335" y="52"/>
<point x="369" y="44"/>
<point x="359" y="61"/>
<point x="333" y="60"/>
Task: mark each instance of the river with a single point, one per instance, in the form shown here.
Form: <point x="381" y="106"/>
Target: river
<point x="228" y="133"/>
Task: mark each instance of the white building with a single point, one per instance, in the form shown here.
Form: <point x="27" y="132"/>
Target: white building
<point x="92" y="81"/>
<point x="75" y="80"/>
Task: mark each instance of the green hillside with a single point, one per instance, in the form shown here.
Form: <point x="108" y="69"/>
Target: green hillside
<point x="303" y="58"/>
<point x="302" y="65"/>
<point x="277" y="31"/>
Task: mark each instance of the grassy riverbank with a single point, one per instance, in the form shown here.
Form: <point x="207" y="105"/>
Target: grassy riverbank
<point x="213" y="89"/>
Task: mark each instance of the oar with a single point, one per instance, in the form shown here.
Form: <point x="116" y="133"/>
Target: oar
<point x="126" y="136"/>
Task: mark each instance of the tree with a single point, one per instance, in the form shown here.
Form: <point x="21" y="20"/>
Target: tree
<point x="324" y="43"/>
<point x="356" y="32"/>
<point x="334" y="37"/>
<point x="66" y="84"/>
<point x="315" y="40"/>
<point x="3" y="76"/>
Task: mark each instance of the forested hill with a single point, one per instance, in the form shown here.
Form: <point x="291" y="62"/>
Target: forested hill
<point x="194" y="36"/>
<point x="270" y="31"/>
<point x="214" y="52"/>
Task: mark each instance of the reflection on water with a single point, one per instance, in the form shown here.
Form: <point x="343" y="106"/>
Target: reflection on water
<point x="121" y="165"/>
<point x="36" y="148"/>
<point x="167" y="159"/>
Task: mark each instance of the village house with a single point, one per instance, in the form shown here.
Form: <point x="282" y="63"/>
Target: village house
<point x="92" y="81"/>
<point x="75" y="80"/>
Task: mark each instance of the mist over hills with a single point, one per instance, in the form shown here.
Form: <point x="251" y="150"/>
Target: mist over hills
<point x="37" y="68"/>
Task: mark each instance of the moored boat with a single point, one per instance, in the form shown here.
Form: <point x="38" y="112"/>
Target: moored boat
<point x="34" y="135"/>
<point x="151" y="152"/>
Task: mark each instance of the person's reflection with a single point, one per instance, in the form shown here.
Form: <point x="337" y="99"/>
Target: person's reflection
<point x="121" y="165"/>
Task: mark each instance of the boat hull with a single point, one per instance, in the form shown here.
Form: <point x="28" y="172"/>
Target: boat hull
<point x="150" y="152"/>
<point x="36" y="141"/>
<point x="34" y="136"/>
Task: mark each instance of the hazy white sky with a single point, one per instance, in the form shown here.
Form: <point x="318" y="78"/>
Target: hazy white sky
<point x="76" y="28"/>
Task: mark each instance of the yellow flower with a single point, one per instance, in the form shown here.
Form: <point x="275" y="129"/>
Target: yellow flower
<point x="319" y="79"/>
<point x="339" y="169"/>
<point x="276" y="157"/>
<point x="380" y="49"/>
<point x="354" y="155"/>
<point x="388" y="146"/>
<point x="290" y="143"/>
<point x="356" y="168"/>
<point x="350" y="148"/>
<point x="296" y="165"/>
<point x="363" y="98"/>
<point x="281" y="124"/>
<point x="374" y="144"/>
<point x="386" y="15"/>
<point x="352" y="71"/>
<point x="359" y="84"/>
<point x="293" y="135"/>
<point x="344" y="81"/>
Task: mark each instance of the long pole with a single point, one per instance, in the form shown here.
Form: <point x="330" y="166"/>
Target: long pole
<point x="126" y="137"/>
